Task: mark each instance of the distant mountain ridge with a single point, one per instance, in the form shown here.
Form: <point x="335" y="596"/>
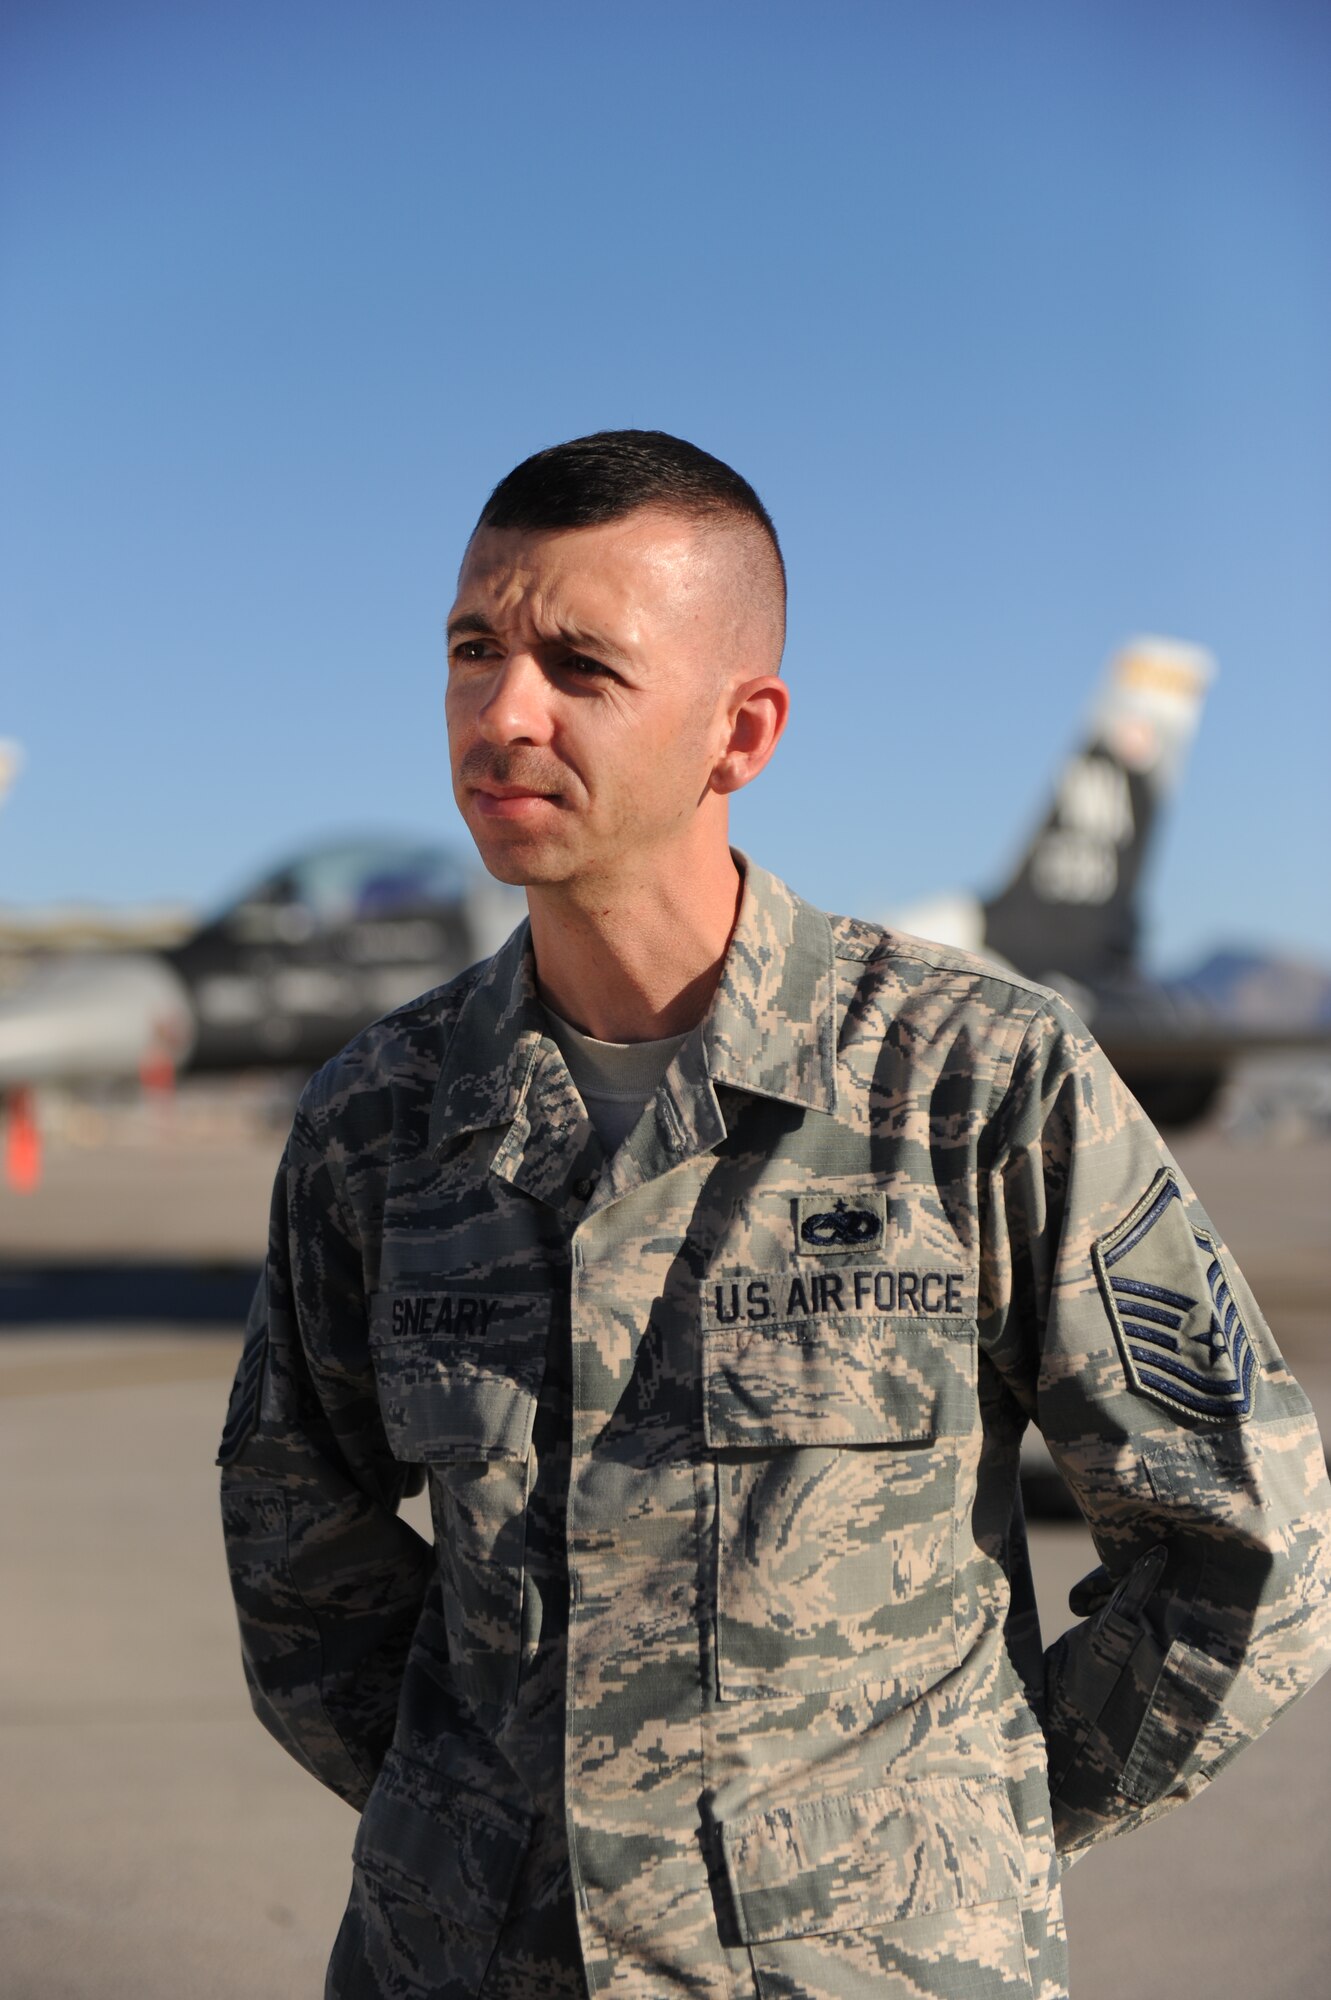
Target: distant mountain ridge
<point x="1255" y="988"/>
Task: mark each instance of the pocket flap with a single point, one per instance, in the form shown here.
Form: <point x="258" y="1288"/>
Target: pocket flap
<point x="873" y="1857"/>
<point x="458" y="1373"/>
<point x="840" y="1379"/>
<point x="442" y="1843"/>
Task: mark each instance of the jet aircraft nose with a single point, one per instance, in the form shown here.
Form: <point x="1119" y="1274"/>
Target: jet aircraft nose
<point x="93" y="1016"/>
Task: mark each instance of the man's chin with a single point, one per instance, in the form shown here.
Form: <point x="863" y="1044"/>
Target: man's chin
<point x="522" y="864"/>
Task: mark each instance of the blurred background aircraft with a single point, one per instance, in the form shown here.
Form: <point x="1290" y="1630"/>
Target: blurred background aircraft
<point x="345" y="930"/>
<point x="1070" y="914"/>
<point x="280" y="978"/>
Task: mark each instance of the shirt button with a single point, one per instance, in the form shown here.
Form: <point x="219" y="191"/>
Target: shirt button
<point x="583" y="1187"/>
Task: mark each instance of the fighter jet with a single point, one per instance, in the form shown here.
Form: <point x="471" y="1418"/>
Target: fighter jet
<point x="280" y="978"/>
<point x="339" y="934"/>
<point x="1069" y="914"/>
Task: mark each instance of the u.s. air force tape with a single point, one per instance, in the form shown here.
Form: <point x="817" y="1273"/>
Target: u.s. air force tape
<point x="242" y="1412"/>
<point x="1179" y="1329"/>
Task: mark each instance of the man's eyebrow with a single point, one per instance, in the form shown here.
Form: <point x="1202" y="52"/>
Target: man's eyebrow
<point x="474" y="625"/>
<point x="579" y="639"/>
<point x="469" y="624"/>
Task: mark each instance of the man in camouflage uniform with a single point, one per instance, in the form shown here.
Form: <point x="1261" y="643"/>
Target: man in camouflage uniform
<point x="723" y="1674"/>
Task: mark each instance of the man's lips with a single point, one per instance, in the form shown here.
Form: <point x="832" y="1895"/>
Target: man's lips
<point x="509" y="801"/>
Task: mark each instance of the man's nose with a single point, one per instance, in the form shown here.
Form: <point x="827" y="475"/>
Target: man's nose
<point x="516" y="709"/>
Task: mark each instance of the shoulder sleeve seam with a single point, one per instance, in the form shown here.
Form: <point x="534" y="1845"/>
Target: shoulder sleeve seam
<point x="1004" y="1084"/>
<point x="967" y="968"/>
<point x="335" y="1178"/>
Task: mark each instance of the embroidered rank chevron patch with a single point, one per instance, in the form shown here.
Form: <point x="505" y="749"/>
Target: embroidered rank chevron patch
<point x="1179" y="1330"/>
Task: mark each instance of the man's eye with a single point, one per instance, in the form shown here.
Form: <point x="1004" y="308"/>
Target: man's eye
<point x="585" y="667"/>
<point x="469" y="649"/>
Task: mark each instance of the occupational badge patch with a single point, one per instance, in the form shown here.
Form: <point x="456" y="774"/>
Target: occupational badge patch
<point x="1179" y="1330"/>
<point x="242" y="1412"/>
<point x="823" y="1223"/>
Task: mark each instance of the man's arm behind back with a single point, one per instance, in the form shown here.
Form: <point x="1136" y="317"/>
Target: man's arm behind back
<point x="1121" y="1326"/>
<point x="328" y="1581"/>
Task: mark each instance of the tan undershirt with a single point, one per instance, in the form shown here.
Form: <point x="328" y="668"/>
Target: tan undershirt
<point x="615" y="1080"/>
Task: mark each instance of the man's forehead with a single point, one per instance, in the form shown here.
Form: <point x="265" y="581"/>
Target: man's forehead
<point x="645" y="558"/>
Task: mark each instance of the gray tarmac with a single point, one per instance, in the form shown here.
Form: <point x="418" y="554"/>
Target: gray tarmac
<point x="158" y="1845"/>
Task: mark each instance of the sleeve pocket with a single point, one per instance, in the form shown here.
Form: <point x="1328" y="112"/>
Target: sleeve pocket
<point x="1188" y="1697"/>
<point x="458" y="1374"/>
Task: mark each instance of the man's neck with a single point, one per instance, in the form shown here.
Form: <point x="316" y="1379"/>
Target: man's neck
<point x="641" y="959"/>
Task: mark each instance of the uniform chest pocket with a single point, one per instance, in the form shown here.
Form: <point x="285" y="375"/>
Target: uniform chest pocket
<point x="458" y="1377"/>
<point x="836" y="1446"/>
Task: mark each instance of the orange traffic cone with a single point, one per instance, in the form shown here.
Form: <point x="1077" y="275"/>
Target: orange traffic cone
<point x="157" y="1072"/>
<point x="23" y="1144"/>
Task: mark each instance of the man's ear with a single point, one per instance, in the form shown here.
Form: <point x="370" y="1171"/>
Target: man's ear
<point x="757" y="713"/>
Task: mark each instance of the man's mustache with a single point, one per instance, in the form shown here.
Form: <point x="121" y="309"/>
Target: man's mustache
<point x="526" y="769"/>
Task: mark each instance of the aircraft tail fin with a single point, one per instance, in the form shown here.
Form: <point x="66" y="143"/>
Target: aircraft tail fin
<point x="1071" y="905"/>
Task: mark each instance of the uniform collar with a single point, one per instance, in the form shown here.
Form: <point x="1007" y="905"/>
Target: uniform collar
<point x="495" y="1045"/>
<point x="772" y="1026"/>
<point x="770" y="1029"/>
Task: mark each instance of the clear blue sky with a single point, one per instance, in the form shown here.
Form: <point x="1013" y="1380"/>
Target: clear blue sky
<point x="1018" y="316"/>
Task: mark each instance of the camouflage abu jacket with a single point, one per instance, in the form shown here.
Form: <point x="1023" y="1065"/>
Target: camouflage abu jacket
<point x="723" y="1675"/>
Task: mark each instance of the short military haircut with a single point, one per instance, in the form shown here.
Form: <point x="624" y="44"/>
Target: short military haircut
<point x="612" y="473"/>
